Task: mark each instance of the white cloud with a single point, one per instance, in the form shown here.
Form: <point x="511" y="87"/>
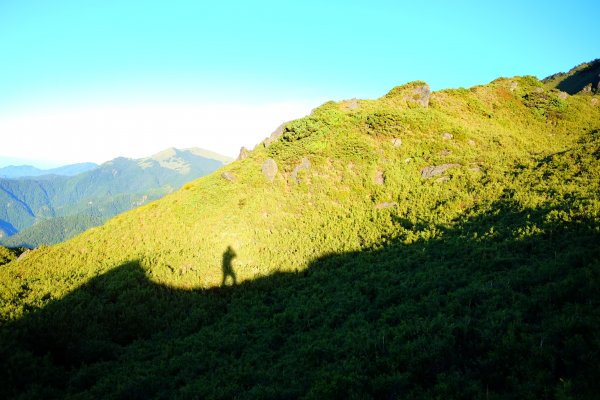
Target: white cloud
<point x="98" y="133"/>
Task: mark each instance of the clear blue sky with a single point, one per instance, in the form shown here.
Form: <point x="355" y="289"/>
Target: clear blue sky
<point x="65" y="53"/>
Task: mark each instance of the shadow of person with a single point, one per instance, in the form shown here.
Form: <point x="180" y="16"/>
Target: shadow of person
<point x="228" y="271"/>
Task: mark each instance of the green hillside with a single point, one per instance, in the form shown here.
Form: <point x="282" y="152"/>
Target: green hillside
<point x="420" y="245"/>
<point x="50" y="209"/>
<point x="55" y="230"/>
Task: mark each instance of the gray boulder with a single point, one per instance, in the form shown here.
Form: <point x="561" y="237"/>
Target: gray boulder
<point x="228" y="176"/>
<point x="351" y="104"/>
<point x="587" y="88"/>
<point x="385" y="204"/>
<point x="269" y="169"/>
<point x="417" y="92"/>
<point x="379" y="179"/>
<point x="304" y="165"/>
<point x="430" y="172"/>
<point x="275" y="135"/>
<point x="422" y="94"/>
<point x="244" y="153"/>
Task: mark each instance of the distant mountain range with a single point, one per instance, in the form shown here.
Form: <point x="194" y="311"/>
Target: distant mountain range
<point x="48" y="206"/>
<point x="20" y="171"/>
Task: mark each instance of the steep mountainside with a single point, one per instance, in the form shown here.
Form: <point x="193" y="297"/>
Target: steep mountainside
<point x="583" y="78"/>
<point x="31" y="206"/>
<point x="420" y="245"/>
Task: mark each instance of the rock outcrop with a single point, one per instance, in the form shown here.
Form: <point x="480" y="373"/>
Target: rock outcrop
<point x="379" y="178"/>
<point x="435" y="170"/>
<point x="413" y="93"/>
<point x="421" y="95"/>
<point x="228" y="176"/>
<point x="385" y="204"/>
<point x="269" y="169"/>
<point x="275" y="135"/>
<point x="351" y="104"/>
<point x="304" y="165"/>
<point x="244" y="153"/>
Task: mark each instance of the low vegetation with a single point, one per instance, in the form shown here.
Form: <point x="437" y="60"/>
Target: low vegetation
<point x="355" y="276"/>
<point x="7" y="255"/>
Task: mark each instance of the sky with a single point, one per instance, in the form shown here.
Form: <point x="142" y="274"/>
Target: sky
<point x="93" y="80"/>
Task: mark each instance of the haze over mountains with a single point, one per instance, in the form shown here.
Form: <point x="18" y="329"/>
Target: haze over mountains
<point x="20" y="171"/>
<point x="421" y="245"/>
<point x="46" y="209"/>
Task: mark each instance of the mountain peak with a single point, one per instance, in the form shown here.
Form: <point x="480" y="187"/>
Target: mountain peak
<point x="165" y="154"/>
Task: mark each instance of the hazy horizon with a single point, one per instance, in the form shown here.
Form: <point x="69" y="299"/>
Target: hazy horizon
<point x="83" y="82"/>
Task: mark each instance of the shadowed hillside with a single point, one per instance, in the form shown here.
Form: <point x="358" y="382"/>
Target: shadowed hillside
<point x="583" y="78"/>
<point x="467" y="315"/>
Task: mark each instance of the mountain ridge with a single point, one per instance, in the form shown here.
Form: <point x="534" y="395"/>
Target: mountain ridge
<point x="28" y="171"/>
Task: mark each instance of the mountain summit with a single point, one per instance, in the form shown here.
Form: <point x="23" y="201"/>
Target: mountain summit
<point x="421" y="245"/>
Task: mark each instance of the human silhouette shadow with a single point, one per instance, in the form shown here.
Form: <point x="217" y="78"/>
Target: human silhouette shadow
<point x="227" y="266"/>
<point x="446" y="317"/>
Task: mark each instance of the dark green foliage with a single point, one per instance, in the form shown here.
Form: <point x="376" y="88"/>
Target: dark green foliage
<point x="302" y="128"/>
<point x="386" y="123"/>
<point x="545" y="104"/>
<point x="8" y="254"/>
<point x="467" y="315"/>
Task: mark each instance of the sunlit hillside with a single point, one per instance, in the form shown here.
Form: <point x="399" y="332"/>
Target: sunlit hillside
<point x="420" y="245"/>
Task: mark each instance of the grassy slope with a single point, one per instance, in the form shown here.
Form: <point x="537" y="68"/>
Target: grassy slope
<point x="453" y="290"/>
